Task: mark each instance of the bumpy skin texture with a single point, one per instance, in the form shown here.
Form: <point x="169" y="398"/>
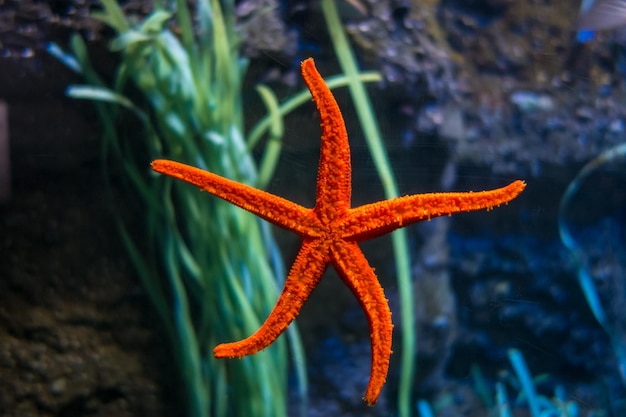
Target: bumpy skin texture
<point x="331" y="231"/>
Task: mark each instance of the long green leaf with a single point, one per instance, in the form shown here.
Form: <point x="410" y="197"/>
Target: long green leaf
<point x="373" y="137"/>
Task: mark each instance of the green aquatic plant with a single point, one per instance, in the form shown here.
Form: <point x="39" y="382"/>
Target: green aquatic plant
<point x="580" y="258"/>
<point x="522" y="382"/>
<point x="373" y="137"/>
<point x="201" y="261"/>
<point x="538" y="405"/>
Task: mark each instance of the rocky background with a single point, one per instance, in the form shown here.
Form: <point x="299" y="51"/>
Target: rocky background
<point x="475" y="93"/>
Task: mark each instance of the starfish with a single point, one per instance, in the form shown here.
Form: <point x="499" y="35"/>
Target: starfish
<point x="331" y="230"/>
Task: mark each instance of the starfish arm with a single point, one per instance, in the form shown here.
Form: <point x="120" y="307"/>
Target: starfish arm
<point x="272" y="208"/>
<point x="304" y="276"/>
<point x="376" y="219"/>
<point x="359" y="276"/>
<point x="334" y="173"/>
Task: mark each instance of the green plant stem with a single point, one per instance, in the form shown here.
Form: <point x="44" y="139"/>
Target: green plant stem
<point x="523" y="374"/>
<point x="579" y="258"/>
<point x="374" y="141"/>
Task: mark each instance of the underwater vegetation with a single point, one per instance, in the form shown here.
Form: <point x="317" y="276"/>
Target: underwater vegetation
<point x="198" y="260"/>
<point x="497" y="401"/>
<point x="589" y="260"/>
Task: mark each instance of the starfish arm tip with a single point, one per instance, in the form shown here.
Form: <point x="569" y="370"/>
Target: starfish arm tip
<point x="157" y="164"/>
<point x="519" y="185"/>
<point x="222" y="351"/>
<point x="307" y="63"/>
<point x="512" y="191"/>
<point x="370" y="402"/>
<point x="235" y="350"/>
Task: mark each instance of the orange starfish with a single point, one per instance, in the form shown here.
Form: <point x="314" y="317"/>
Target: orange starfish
<point x="331" y="231"/>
